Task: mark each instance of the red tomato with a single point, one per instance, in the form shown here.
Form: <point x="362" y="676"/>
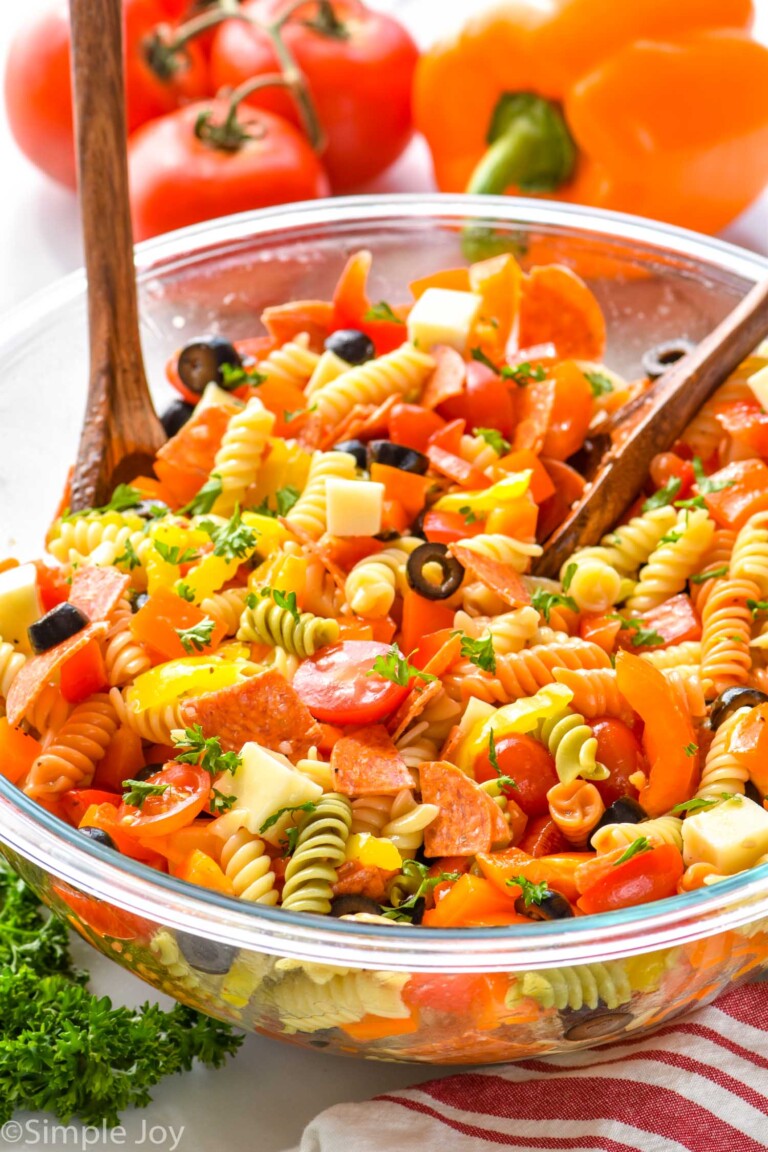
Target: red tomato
<point x="529" y="764"/>
<point x="486" y="401"/>
<point x="336" y="686"/>
<point x="648" y="876"/>
<point x="360" y="82"/>
<point x="674" y="621"/>
<point x="412" y="425"/>
<point x="83" y="674"/>
<point x="178" y="179"/>
<point x="51" y="584"/>
<point x="746" y="422"/>
<point x="572" y="411"/>
<point x="38" y="94"/>
<point x="186" y="791"/>
<point x="76" y="802"/>
<point x="668" y="466"/>
<point x="449" y="527"/>
<point x="622" y="754"/>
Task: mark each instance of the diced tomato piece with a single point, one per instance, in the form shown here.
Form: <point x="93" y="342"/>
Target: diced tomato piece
<point x="674" y="621"/>
<point x="746" y="422"/>
<point x="456" y="469"/>
<point x="741" y="490"/>
<point x="600" y="629"/>
<point x="449" y="527"/>
<point x="619" y="749"/>
<point x="412" y="425"/>
<point x="422" y="616"/>
<point x="18" y="751"/>
<point x="528" y="763"/>
<point x="648" y="876"/>
<point x="406" y="488"/>
<point x="449" y="437"/>
<point x="338" y="684"/>
<point x="51" y="584"/>
<point x="83" y="674"/>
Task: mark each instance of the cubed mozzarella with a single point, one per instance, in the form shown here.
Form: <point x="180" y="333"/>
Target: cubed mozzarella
<point x="443" y="316"/>
<point x="20" y="605"/>
<point x="263" y="784"/>
<point x="758" y="382"/>
<point x="353" y="507"/>
<point x="731" y="836"/>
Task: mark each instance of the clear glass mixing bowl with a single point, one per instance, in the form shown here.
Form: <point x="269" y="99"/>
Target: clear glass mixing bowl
<point x="398" y="993"/>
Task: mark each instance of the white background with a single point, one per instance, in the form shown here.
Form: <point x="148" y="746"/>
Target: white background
<point x="263" y="1098"/>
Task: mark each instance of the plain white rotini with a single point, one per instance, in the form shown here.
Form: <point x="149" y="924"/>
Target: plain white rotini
<point x="309" y="513"/>
<point x="248" y="866"/>
<point x="240" y="453"/>
<point x="317" y="769"/>
<point x="399" y="373"/>
<point x="98" y="538"/>
<point x="415" y="747"/>
<point x="478" y="452"/>
<point x="722" y="771"/>
<point x="705" y="434"/>
<point x="726" y="631"/>
<point x="662" y="830"/>
<point x="509" y="632"/>
<point x="675" y="559"/>
<point x="407" y="821"/>
<point x="505" y="549"/>
<point x="11" y="663"/>
<point x="225" y="608"/>
<point x="628" y="547"/>
<point x="124" y="656"/>
<point x="595" y="585"/>
<point x="373" y="583"/>
<point x="523" y="673"/>
<point x="689" y="652"/>
<point x="370" y="814"/>
<point x="70" y="759"/>
<point x="749" y="558"/>
<point x="155" y="723"/>
<point x="293" y="363"/>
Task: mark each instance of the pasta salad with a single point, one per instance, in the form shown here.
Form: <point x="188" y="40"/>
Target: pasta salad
<point x="308" y="662"/>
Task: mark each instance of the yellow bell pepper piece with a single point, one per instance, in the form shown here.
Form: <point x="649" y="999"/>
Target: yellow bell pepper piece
<point x="373" y="851"/>
<point x="285" y="464"/>
<point x="189" y="676"/>
<point x="520" y="716"/>
<point x="287" y="573"/>
<point x="209" y="575"/>
<point x="270" y="534"/>
<point x="482" y="502"/>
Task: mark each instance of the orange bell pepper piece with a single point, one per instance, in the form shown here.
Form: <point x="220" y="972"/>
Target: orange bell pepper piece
<point x="555" y="100"/>
<point x="177" y="846"/>
<point x="422" y="617"/>
<point x="540" y="485"/>
<point x="381" y="1027"/>
<point x="749" y="744"/>
<point x="558" y="871"/>
<point x="83" y="674"/>
<point x="454" y="279"/>
<point x="123" y="758"/>
<point x="668" y="736"/>
<point x="197" y="867"/>
<point x="158" y="624"/>
<point x="498" y="283"/>
<point x="742" y="490"/>
<point x="404" y="488"/>
<point x="18" y="751"/>
<point x="473" y="902"/>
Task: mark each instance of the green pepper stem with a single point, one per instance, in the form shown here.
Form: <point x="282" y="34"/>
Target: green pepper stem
<point x="530" y="147"/>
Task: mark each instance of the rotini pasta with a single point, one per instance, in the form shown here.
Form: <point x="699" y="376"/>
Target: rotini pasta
<point x="300" y="634"/>
<point x="248" y="866"/>
<point x="573" y="747"/>
<point x="727" y="631"/>
<point x="125" y="657"/>
<point x="309" y="513"/>
<point x="676" y="557"/>
<point x="664" y="830"/>
<point x="580" y="986"/>
<point x="238" y="459"/>
<point x="70" y="760"/>
<point x="523" y="673"/>
<point x="575" y="807"/>
<point x="722" y="771"/>
<point x="311" y="871"/>
<point x="375" y="580"/>
<point x="399" y="373"/>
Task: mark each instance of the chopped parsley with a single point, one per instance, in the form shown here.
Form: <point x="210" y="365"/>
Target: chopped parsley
<point x="544" y="601"/>
<point x="196" y="638"/>
<point x="642" y="844"/>
<point x="222" y="801"/>
<point x="235" y="375"/>
<point x="383" y="311"/>
<point x="285" y="498"/>
<point x="756" y="606"/>
<point x="285" y="600"/>
<point x="532" y="893"/>
<point x="524" y="373"/>
<point x="493" y="437"/>
<point x="599" y="383"/>
<point x="233" y="540"/>
<point x="138" y="791"/>
<point x="714" y="574"/>
<point x="691" y="749"/>
<point x="185" y="592"/>
<point x="641" y="636"/>
<point x="468" y="514"/>
<point x="307" y="806"/>
<point x="480" y="356"/>
<point x="502" y="780"/>
<point x="570" y="572"/>
<point x="129" y="557"/>
<point x="203" y="502"/>
<point x="699" y="804"/>
<point x="704" y="483"/>
<point x="415" y="870"/>
<point x="123" y="498"/>
<point x="479" y="652"/>
<point x="205" y="752"/>
<point x="663" y="496"/>
<point x="174" y="554"/>
<point x="394" y="666"/>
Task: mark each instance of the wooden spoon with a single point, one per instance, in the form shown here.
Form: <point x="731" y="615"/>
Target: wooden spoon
<point x="653" y="427"/>
<point x="121" y="432"/>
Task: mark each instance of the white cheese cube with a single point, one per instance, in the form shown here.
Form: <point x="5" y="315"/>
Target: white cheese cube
<point x="263" y="784"/>
<point x="443" y="316"/>
<point x="758" y="382"/>
<point x="353" y="507"/>
<point x="730" y="836"/>
<point x="215" y="397"/>
<point x="20" y="605"/>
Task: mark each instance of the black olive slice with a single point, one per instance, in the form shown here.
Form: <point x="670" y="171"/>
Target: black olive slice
<point x="207" y="956"/>
<point x="554" y="906"/>
<point x="625" y="810"/>
<point x="453" y="572"/>
<point x="147" y="771"/>
<point x="139" y="601"/>
<point x="730" y="700"/>
<point x="353" y="903"/>
<point x="398" y="456"/>
<point x="417" y="528"/>
<point x="355" y="448"/>
<point x="657" y="359"/>
<point x="200" y="362"/>
<point x="175" y="416"/>
<point x="59" y="624"/>
<point x="350" y="345"/>
<point x="599" y="1025"/>
<point x="99" y="836"/>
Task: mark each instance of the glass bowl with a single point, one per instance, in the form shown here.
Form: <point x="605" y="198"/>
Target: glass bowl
<point x="385" y="992"/>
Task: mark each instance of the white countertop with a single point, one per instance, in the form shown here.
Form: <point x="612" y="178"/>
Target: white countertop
<point x="263" y="1098"/>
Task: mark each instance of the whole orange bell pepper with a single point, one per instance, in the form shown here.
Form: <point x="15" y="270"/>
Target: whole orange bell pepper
<point x="650" y="107"/>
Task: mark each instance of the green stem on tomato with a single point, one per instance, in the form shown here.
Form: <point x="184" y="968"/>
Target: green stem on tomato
<point x="230" y="134"/>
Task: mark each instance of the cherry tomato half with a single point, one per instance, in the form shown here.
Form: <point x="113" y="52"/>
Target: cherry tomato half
<point x="622" y="754"/>
<point x="648" y="876"/>
<point x="529" y="764"/>
<point x="186" y="791"/>
<point x="336" y="686"/>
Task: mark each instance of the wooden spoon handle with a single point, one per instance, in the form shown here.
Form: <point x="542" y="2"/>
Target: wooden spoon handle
<point x="120" y="421"/>
<point x="678" y="395"/>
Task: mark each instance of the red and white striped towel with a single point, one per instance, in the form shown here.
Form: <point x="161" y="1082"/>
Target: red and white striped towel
<point x="700" y="1085"/>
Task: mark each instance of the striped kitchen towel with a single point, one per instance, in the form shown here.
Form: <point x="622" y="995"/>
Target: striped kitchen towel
<point x="700" y="1085"/>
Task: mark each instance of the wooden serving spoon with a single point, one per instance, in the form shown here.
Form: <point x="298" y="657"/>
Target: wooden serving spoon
<point x="121" y="432"/>
<point x="653" y="426"/>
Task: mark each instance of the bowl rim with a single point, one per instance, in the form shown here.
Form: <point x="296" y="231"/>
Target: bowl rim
<point x="47" y="842"/>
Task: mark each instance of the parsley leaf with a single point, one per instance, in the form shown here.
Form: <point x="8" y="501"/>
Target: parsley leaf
<point x="756" y="606"/>
<point x="394" y="666"/>
<point x="414" y="869"/>
<point x="699" y="803"/>
<point x="704" y="483"/>
<point x="222" y="801"/>
<point x="123" y="497"/>
<point x="493" y="437"/>
<point x="480" y="356"/>
<point x="714" y="574"/>
<point x="205" y="752"/>
<point x="672" y="536"/>
<point x="664" y="495"/>
<point x="524" y="373"/>
<point x="307" y="806"/>
<point x="532" y="893"/>
<point x="197" y="637"/>
<point x="641" y="636"/>
<point x="502" y="780"/>
<point x="185" y="592"/>
<point x="286" y="600"/>
<point x="468" y="514"/>
<point x="174" y="554"/>
<point x="691" y="749"/>
<point x="570" y="572"/>
<point x="129" y="557"/>
<point x="138" y="790"/>
<point x="233" y="540"/>
<point x="544" y="601"/>
<point x="694" y="502"/>
<point x="383" y="311"/>
<point x="203" y="502"/>
<point x="599" y="383"/>
<point x="479" y="652"/>
<point x="285" y="498"/>
<point x="642" y="844"/>
<point x="235" y="375"/>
